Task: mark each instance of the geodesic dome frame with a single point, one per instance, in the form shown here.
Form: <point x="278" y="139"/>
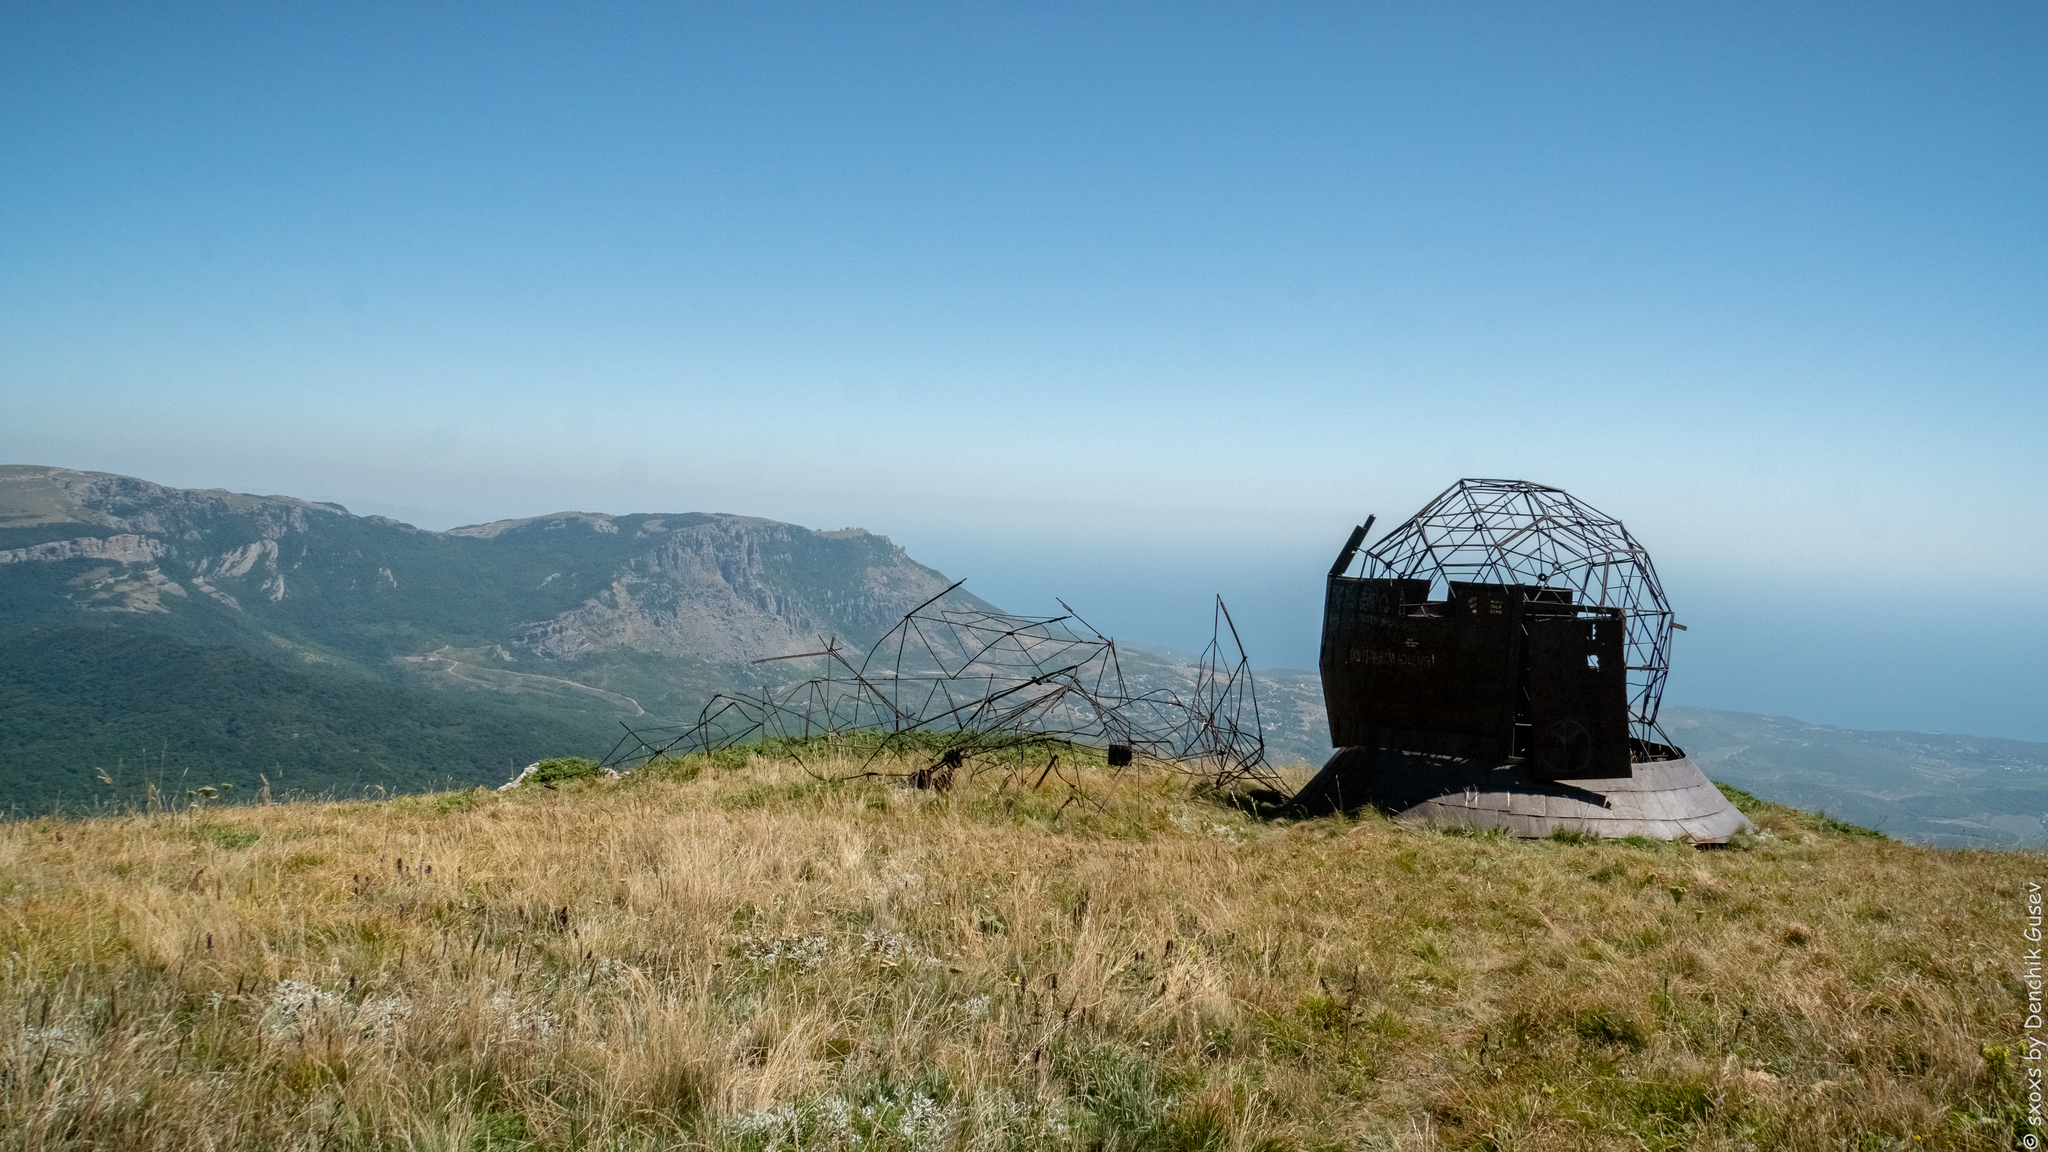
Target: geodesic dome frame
<point x="1515" y="532"/>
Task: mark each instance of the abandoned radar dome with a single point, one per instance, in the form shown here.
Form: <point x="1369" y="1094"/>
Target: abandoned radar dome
<point x="1499" y="660"/>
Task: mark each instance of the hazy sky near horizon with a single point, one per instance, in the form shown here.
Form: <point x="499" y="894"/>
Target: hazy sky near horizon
<point x="1125" y="303"/>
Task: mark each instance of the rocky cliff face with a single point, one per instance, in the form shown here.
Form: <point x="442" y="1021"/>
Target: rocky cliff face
<point x="733" y="588"/>
<point x="565" y="625"/>
<point x="54" y="515"/>
<point x="573" y="590"/>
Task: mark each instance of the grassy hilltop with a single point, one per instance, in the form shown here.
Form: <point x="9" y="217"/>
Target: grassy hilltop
<point x="737" y="955"/>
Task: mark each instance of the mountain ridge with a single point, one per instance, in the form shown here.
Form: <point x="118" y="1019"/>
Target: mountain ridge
<point x="377" y="652"/>
<point x="775" y="581"/>
<point x="567" y="615"/>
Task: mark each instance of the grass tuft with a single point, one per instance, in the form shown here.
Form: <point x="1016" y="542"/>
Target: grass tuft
<point x="731" y="952"/>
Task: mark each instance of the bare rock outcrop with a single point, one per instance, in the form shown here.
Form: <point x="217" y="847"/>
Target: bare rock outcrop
<point x="571" y="587"/>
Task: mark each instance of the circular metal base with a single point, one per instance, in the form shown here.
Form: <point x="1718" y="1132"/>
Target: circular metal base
<point x="1662" y="799"/>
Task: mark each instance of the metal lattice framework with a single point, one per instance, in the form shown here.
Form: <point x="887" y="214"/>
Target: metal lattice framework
<point x="1218" y="730"/>
<point x="1515" y="532"/>
<point x="970" y="689"/>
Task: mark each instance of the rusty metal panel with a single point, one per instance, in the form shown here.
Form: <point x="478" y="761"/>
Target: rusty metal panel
<point x="1578" y="696"/>
<point x="1495" y="599"/>
<point x="1348" y="598"/>
<point x="1426" y="682"/>
<point x="1456" y="677"/>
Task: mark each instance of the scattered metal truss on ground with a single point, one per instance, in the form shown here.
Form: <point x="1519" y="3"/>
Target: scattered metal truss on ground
<point x="969" y="690"/>
<point x="1515" y="532"/>
<point x="1221" y="735"/>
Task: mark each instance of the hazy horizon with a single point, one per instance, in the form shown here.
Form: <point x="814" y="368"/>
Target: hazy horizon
<point x="1127" y="304"/>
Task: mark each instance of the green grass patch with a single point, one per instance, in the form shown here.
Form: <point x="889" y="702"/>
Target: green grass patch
<point x="228" y="837"/>
<point x="562" y="769"/>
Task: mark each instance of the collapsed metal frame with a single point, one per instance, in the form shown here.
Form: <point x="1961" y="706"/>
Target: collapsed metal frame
<point x="1213" y="724"/>
<point x="969" y="689"/>
<point x="1515" y="532"/>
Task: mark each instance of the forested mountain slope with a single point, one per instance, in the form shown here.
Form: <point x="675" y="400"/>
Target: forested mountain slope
<point x="216" y="635"/>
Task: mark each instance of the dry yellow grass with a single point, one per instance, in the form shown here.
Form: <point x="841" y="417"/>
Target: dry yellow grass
<point x="744" y="957"/>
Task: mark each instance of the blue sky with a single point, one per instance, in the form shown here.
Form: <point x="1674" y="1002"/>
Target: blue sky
<point x="1128" y="304"/>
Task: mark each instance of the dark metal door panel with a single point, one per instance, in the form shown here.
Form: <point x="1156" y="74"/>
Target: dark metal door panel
<point x="1578" y="697"/>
